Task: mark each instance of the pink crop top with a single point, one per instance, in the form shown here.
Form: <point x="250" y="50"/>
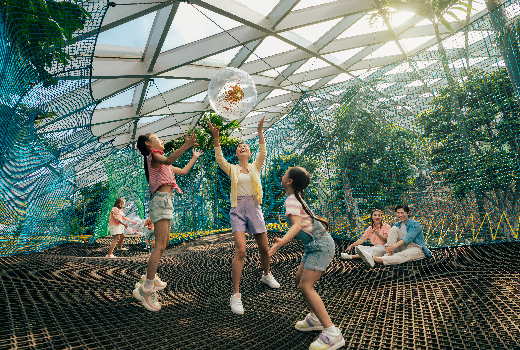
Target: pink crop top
<point x="163" y="175"/>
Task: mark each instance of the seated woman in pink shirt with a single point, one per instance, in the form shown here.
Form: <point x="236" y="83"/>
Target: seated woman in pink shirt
<point x="377" y="232"/>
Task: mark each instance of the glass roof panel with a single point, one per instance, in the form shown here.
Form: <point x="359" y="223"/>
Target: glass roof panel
<point x="401" y="17"/>
<point x="410" y="44"/>
<point x="311" y="82"/>
<point x="340" y="78"/>
<point x="263" y="7"/>
<point x="269" y="47"/>
<point x="134" y="33"/>
<point x="424" y="22"/>
<point x="315" y="31"/>
<point x="160" y="86"/>
<point x="220" y="59"/>
<point x="388" y="49"/>
<point x="310" y="3"/>
<point x="345" y="55"/>
<point x="190" y="24"/>
<point x="196" y="98"/>
<point x="278" y="92"/>
<point x="275" y="71"/>
<point x="122" y="99"/>
<point x="312" y="64"/>
<point x="363" y="26"/>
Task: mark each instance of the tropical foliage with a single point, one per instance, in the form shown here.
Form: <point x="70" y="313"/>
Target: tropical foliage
<point x="40" y="30"/>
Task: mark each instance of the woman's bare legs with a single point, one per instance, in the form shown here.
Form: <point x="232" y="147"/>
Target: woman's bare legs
<point x="238" y="260"/>
<point x="263" y="247"/>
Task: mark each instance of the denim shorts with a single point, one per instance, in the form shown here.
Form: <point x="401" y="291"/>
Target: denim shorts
<point x="319" y="248"/>
<point x="247" y="216"/>
<point x="161" y="206"/>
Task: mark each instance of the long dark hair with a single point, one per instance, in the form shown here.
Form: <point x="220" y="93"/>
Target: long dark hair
<point x="141" y="146"/>
<point x="372" y="220"/>
<point x="119" y="203"/>
<point x="300" y="180"/>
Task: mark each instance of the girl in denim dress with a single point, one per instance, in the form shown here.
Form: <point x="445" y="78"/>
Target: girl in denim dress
<point x="319" y="251"/>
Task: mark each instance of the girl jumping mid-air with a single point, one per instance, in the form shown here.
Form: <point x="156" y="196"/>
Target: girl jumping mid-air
<point x="245" y="213"/>
<point x="319" y="251"/>
<point x="161" y="178"/>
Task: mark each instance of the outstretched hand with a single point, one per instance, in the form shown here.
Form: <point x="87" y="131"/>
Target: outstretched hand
<point x="349" y="248"/>
<point x="274" y="248"/>
<point x="214" y="130"/>
<point x="197" y="153"/>
<point x="190" y="140"/>
<point x="261" y="124"/>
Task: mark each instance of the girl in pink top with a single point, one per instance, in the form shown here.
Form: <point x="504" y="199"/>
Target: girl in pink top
<point x="161" y="178"/>
<point x="116" y="225"/>
<point x="377" y="232"/>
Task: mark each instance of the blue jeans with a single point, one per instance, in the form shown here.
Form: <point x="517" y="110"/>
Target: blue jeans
<point x="319" y="248"/>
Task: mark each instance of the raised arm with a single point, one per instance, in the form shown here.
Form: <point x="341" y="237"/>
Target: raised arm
<point x="262" y="154"/>
<point x="219" y="156"/>
<point x="260" y="129"/>
<point x="196" y="154"/>
<point x="189" y="141"/>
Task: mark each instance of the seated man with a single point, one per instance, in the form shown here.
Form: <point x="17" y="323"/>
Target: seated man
<point x="405" y="242"/>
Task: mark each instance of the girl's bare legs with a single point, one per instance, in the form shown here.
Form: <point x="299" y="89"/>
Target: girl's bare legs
<point x="120" y="243"/>
<point x="263" y="247"/>
<point x="162" y="238"/>
<point x="115" y="239"/>
<point x="306" y="281"/>
<point x="238" y="260"/>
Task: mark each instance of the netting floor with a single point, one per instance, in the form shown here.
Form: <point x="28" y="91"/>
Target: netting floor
<point x="70" y="297"/>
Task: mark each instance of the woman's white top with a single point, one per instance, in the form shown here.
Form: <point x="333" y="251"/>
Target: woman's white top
<point x="245" y="185"/>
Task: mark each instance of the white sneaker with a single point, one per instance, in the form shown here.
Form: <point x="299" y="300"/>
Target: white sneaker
<point x="367" y="258"/>
<point x="326" y="343"/>
<point x="346" y="256"/>
<point x="149" y="300"/>
<point x="157" y="283"/>
<point x="308" y="325"/>
<point x="236" y="304"/>
<point x="123" y="249"/>
<point x="110" y="256"/>
<point x="270" y="281"/>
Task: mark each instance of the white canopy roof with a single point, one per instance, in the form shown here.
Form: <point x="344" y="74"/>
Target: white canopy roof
<point x="154" y="59"/>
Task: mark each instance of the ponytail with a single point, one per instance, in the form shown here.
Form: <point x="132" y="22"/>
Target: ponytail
<point x="301" y="179"/>
<point x="324" y="221"/>
<point x="141" y="146"/>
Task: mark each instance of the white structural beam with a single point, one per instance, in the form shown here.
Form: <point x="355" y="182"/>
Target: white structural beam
<point x="160" y="28"/>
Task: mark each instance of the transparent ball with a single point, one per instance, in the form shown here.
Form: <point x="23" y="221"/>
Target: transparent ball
<point x="232" y="93"/>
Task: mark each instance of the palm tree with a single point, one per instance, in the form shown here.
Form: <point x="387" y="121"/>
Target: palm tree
<point x="506" y="36"/>
<point x="41" y="30"/>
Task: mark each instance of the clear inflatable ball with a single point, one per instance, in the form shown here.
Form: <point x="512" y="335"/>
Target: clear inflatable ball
<point x="232" y="93"/>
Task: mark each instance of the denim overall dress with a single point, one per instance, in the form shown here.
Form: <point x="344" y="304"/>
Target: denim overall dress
<point x="319" y="247"/>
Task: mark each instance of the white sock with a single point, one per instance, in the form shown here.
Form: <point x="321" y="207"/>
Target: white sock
<point x="148" y="284"/>
<point x="237" y="295"/>
<point x="333" y="333"/>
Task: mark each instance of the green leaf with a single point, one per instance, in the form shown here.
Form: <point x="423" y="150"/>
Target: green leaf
<point x="446" y="24"/>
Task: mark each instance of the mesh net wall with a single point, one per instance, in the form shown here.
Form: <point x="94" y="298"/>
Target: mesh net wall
<point x="437" y="131"/>
<point x="45" y="53"/>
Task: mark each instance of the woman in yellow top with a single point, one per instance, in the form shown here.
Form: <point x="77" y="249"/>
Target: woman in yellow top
<point x="245" y="213"/>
